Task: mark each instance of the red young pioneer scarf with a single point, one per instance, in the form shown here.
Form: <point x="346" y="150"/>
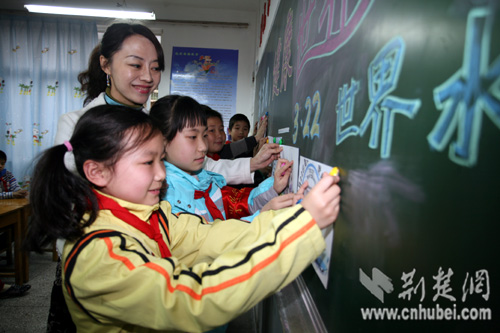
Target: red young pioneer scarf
<point x="214" y="156"/>
<point x="212" y="208"/>
<point x="151" y="229"/>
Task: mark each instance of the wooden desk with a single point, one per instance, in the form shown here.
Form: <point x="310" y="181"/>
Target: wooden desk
<point x="15" y="213"/>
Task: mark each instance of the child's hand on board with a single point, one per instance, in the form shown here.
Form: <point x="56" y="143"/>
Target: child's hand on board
<point x="265" y="156"/>
<point x="300" y="193"/>
<point x="281" y="201"/>
<point x="260" y="143"/>
<point x="282" y="174"/>
<point x="262" y="129"/>
<point x="285" y="200"/>
<point x="323" y="201"/>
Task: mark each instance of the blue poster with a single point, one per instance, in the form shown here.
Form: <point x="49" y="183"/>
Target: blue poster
<point x="207" y="75"/>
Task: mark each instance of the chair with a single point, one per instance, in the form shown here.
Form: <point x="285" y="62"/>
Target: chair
<point x="52" y="249"/>
<point x="6" y="245"/>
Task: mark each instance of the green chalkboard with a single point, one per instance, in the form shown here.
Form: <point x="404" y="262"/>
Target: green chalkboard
<point x="403" y="96"/>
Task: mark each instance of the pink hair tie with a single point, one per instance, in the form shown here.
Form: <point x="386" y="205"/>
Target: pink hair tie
<point x="68" y="145"/>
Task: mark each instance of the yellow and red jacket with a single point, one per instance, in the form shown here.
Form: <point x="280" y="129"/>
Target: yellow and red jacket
<point x="115" y="280"/>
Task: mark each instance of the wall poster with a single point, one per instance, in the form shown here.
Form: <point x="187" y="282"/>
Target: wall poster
<point x="207" y="75"/>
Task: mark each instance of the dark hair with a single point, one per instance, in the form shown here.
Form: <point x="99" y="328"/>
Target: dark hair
<point x="173" y="113"/>
<point x="3" y="156"/>
<point x="93" y="80"/>
<point x="211" y="113"/>
<point x="238" y="117"/>
<point x="59" y="197"/>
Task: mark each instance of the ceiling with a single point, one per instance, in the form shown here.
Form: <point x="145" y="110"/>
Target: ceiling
<point x="158" y="6"/>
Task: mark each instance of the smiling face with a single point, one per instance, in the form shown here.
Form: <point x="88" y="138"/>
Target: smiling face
<point x="139" y="174"/>
<point x="215" y="135"/>
<point x="188" y="149"/>
<point x="239" y="130"/>
<point x="134" y="71"/>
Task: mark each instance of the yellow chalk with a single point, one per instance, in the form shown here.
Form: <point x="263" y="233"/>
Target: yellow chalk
<point x="334" y="171"/>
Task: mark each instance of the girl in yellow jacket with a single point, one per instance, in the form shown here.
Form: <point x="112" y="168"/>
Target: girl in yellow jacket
<point x="129" y="264"/>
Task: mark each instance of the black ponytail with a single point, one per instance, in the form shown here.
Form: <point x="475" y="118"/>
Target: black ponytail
<point x="62" y="201"/>
<point x="59" y="199"/>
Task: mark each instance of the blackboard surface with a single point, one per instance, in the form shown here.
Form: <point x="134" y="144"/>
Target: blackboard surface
<point x="403" y="96"/>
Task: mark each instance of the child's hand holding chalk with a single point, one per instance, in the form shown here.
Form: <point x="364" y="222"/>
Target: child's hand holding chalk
<point x="334" y="172"/>
<point x="261" y="131"/>
<point x="260" y="144"/>
<point x="282" y="174"/>
<point x="269" y="153"/>
<point x="323" y="201"/>
<point x="282" y="165"/>
<point x="299" y="196"/>
<point x="279" y="202"/>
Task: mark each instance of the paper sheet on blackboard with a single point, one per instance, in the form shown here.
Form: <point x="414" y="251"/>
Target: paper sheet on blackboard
<point x="311" y="171"/>
<point x="292" y="154"/>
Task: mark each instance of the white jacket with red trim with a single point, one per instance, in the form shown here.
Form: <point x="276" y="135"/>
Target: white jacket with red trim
<point x="116" y="281"/>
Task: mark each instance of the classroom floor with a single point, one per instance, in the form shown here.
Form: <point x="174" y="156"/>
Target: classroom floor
<point x="28" y="313"/>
